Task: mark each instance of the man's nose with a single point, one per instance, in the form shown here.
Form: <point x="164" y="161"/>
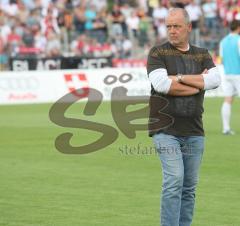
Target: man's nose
<point x="172" y="31"/>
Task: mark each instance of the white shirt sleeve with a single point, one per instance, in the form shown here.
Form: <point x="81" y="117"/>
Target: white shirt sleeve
<point x="212" y="79"/>
<point x="160" y="81"/>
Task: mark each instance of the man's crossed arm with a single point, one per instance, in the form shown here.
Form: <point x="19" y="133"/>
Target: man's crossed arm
<point x="188" y="84"/>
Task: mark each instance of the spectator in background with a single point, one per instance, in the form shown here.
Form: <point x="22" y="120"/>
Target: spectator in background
<point x="50" y="9"/>
<point x="90" y="16"/>
<point x="133" y="25"/>
<point x="159" y="15"/>
<point x="77" y="46"/>
<point x="34" y="18"/>
<point x="233" y="10"/>
<point x="210" y="15"/>
<point x="40" y="41"/>
<point x="14" y="41"/>
<point x="144" y="26"/>
<point x="143" y="5"/>
<point x="126" y="10"/>
<point x="49" y="23"/>
<point x="79" y="18"/>
<point x="100" y="29"/>
<point x="65" y="23"/>
<point x="230" y="54"/>
<point x="11" y="8"/>
<point x="21" y="27"/>
<point x="223" y="9"/>
<point x="195" y="14"/>
<point x="22" y="13"/>
<point x="29" y="4"/>
<point x="178" y="3"/>
<point x="117" y="21"/>
<point x="95" y="49"/>
<point x="5" y="28"/>
<point x="53" y="47"/>
<point x="122" y="47"/>
<point x="126" y="48"/>
<point x="3" y="55"/>
<point x="99" y="4"/>
<point x="28" y="37"/>
<point x="152" y="4"/>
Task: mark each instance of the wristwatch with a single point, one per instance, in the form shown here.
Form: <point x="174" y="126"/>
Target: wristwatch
<point x="179" y="78"/>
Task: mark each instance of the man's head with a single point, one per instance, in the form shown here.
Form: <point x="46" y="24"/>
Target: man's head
<point x="178" y="27"/>
<point x="235" y="26"/>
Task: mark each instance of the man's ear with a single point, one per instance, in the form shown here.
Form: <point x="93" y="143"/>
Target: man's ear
<point x="190" y="26"/>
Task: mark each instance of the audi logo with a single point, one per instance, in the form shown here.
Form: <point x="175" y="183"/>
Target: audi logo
<point x="19" y="83"/>
<point x="111" y="79"/>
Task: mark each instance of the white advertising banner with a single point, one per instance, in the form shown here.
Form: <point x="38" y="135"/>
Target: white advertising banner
<point x="49" y="86"/>
<point x="29" y="87"/>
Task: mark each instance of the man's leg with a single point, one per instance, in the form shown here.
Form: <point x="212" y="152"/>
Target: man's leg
<point x="172" y="167"/>
<point x="192" y="151"/>
<point x="226" y="114"/>
<point x="229" y="88"/>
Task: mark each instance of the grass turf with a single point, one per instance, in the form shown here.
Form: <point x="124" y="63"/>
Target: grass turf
<point x="42" y="187"/>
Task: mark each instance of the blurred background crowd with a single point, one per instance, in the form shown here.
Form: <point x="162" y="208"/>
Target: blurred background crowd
<point x="94" y="28"/>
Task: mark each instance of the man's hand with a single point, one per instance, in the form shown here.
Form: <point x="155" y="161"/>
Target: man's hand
<point x="195" y="81"/>
<point x="180" y="89"/>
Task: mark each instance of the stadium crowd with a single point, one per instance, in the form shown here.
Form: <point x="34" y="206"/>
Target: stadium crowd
<point x="122" y="29"/>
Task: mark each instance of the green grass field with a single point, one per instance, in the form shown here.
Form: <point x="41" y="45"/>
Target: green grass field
<point x="40" y="186"/>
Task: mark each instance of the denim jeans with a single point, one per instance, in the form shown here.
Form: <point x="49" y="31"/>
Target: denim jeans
<point x="181" y="158"/>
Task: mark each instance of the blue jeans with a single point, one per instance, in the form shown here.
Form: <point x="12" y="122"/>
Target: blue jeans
<point x="181" y="158"/>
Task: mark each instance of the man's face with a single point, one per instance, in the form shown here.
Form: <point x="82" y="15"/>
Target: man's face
<point x="177" y="29"/>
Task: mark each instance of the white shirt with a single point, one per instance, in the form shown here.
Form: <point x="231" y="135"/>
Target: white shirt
<point x="210" y="9"/>
<point x="160" y="13"/>
<point x="194" y="12"/>
<point x="133" y="22"/>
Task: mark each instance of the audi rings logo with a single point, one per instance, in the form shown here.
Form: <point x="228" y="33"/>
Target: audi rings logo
<point x="111" y="79"/>
<point x="19" y="83"/>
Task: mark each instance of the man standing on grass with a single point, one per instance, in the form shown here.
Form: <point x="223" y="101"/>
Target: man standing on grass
<point x="179" y="73"/>
<point x="230" y="54"/>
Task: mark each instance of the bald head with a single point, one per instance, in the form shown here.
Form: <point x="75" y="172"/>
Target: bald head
<point x="180" y="12"/>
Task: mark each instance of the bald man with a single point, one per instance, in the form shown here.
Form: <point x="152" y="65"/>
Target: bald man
<point x="179" y="73"/>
